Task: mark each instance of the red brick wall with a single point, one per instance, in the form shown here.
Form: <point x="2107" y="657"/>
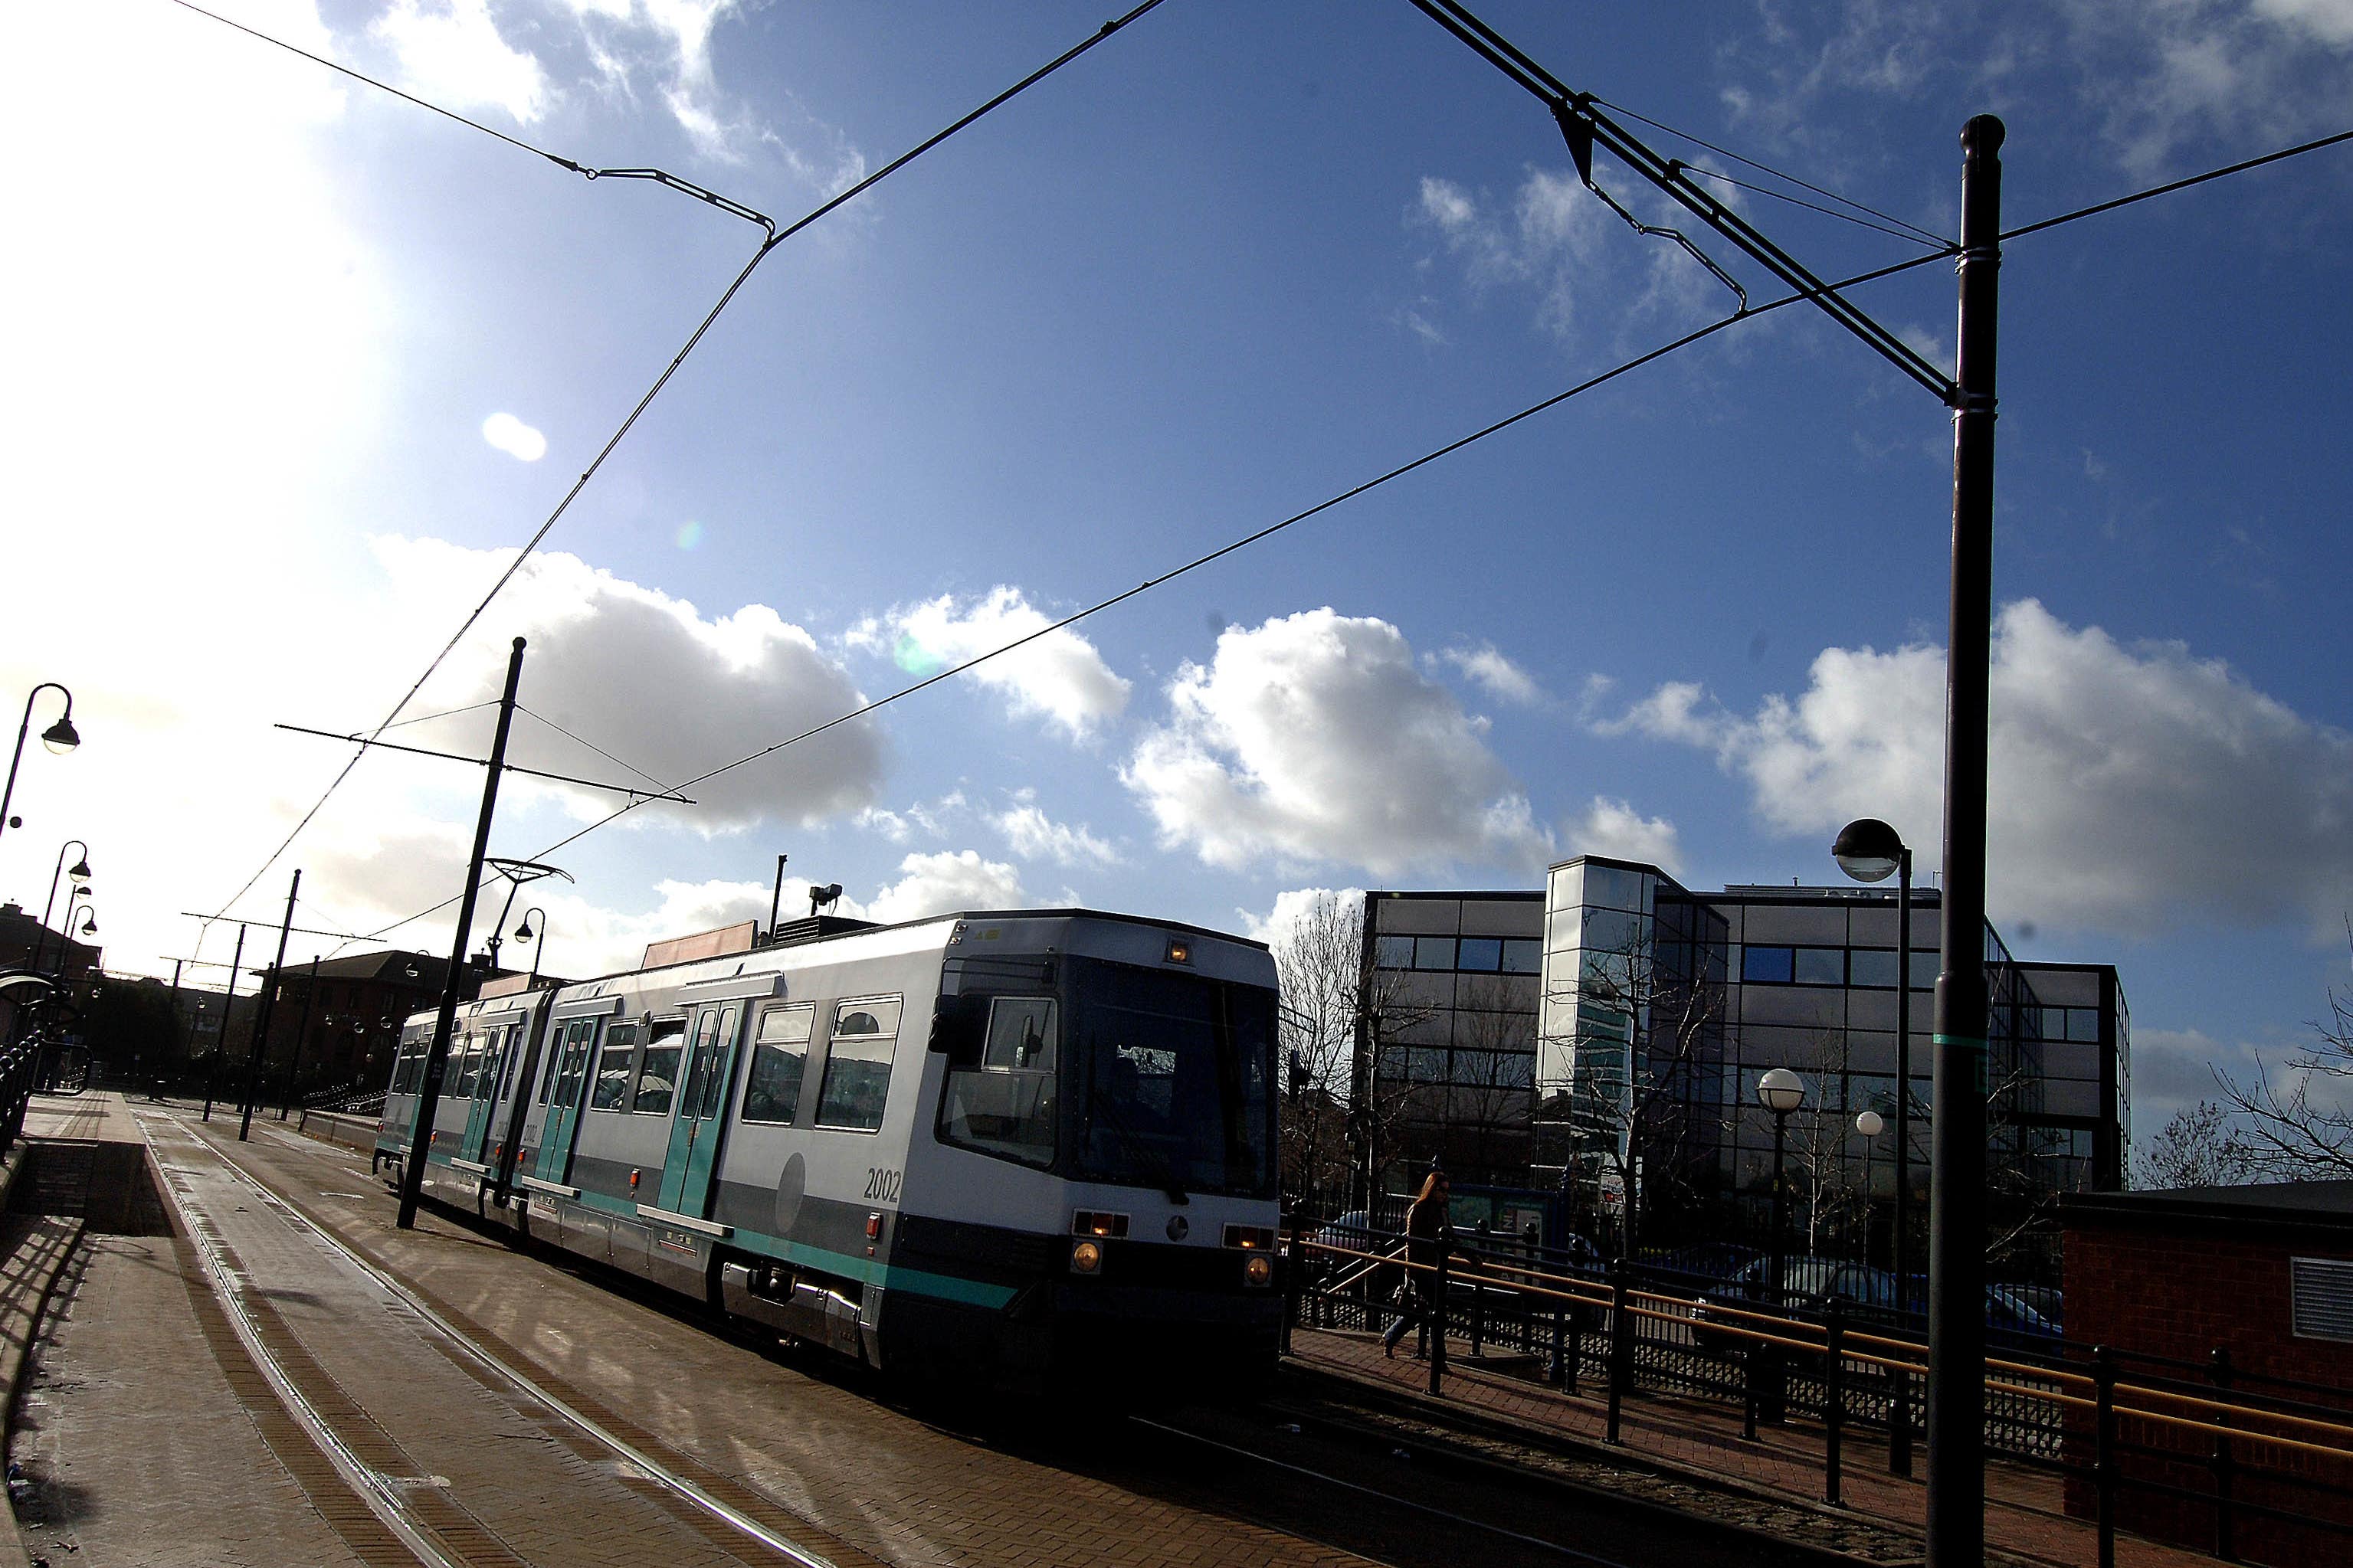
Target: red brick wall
<point x="2180" y="1294"/>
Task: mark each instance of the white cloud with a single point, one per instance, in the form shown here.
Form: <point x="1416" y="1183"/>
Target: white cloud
<point x="2134" y="788"/>
<point x="1611" y="826"/>
<point x="899" y="826"/>
<point x="515" y="439"/>
<point x="1315" y="739"/>
<point x="1291" y="906"/>
<point x="451" y="51"/>
<point x="1495" y="674"/>
<point x="614" y="661"/>
<point x="949" y="881"/>
<point x="1035" y="835"/>
<point x="1058" y="677"/>
<point x="669" y="41"/>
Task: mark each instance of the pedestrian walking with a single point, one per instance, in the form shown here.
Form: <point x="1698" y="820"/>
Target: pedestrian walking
<point x="1428" y="1237"/>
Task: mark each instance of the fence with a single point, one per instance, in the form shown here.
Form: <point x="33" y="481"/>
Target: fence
<point x="2267" y="1464"/>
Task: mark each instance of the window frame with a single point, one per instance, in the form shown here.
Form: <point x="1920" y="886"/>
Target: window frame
<point x="834" y="1038"/>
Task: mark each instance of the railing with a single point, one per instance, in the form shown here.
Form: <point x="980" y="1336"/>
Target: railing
<point x="18" y="1065"/>
<point x="2246" y="1453"/>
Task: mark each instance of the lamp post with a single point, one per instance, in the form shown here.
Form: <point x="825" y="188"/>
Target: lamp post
<point x="1869" y="850"/>
<point x="60" y="738"/>
<point x="524" y="933"/>
<point x="516" y="872"/>
<point x="1868" y="1123"/>
<point x="66" y="926"/>
<point x="81" y="875"/>
<point x="1779" y="1091"/>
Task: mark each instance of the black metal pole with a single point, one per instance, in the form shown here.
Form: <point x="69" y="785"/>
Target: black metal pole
<point x="437" y="1055"/>
<point x="228" y="1007"/>
<point x="1780" y="1128"/>
<point x="776" y="899"/>
<point x="267" y="1015"/>
<point x="175" y="1005"/>
<point x="1956" y="1514"/>
<point x="1899" y="1410"/>
<point x="303" y="1029"/>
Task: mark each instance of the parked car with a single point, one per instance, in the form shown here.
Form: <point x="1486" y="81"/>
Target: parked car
<point x="1809" y="1285"/>
<point x="1706" y="1260"/>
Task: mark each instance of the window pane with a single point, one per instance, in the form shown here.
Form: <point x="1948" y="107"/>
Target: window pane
<point x="1766" y="964"/>
<point x="1010" y="1114"/>
<point x="1482" y="954"/>
<point x="615" y="1068"/>
<point x="773" y="1090"/>
<point x="1021" y="1031"/>
<point x="1614" y="889"/>
<point x="1871" y="966"/>
<point x="858" y="1066"/>
<point x="1433" y="953"/>
<point x="658" y="1072"/>
<point x="1924" y="969"/>
<point x="2084" y="1023"/>
<point x="1523" y="955"/>
<point x="1393" y="952"/>
<point x="1821" y="966"/>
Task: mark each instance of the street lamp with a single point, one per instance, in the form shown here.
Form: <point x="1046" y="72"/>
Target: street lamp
<point x="60" y="738"/>
<point x="1868" y="1123"/>
<point x="1869" y="850"/>
<point x="524" y="933"/>
<point x="81" y="875"/>
<point x="516" y="872"/>
<point x="1779" y="1091"/>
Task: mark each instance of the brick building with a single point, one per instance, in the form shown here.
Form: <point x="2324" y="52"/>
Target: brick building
<point x="2248" y="1286"/>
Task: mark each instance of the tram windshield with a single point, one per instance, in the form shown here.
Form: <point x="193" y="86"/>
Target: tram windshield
<point x="1173" y="1077"/>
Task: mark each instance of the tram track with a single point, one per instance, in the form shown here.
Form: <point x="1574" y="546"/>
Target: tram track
<point x="415" y="1509"/>
<point x="1348" y="1485"/>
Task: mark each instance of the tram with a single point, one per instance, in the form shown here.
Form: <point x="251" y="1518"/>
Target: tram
<point x="1033" y="1148"/>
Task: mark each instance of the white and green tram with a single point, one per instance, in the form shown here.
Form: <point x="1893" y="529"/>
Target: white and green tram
<point x="1036" y="1148"/>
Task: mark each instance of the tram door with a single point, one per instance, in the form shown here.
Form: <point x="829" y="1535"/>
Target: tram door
<point x="702" y="1112"/>
<point x="485" y="1055"/>
<point x="571" y="1086"/>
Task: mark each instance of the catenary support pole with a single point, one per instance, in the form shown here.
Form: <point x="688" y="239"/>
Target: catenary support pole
<point x="301" y="1033"/>
<point x="1899" y="1407"/>
<point x="776" y="899"/>
<point x="228" y="1007"/>
<point x="437" y="1055"/>
<point x="267" y="1015"/>
<point x="1956" y="1510"/>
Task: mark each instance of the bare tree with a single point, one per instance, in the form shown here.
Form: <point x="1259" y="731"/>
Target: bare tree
<point x="1641" y="1015"/>
<point x="2200" y="1147"/>
<point x="1330" y="990"/>
<point x="2297" y="1120"/>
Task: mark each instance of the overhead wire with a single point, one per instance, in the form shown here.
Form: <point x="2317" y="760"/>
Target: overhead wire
<point x="1648" y="357"/>
<point x="776" y="237"/>
<point x="1927" y="236"/>
<point x="1903" y="234"/>
<point x="592" y="746"/>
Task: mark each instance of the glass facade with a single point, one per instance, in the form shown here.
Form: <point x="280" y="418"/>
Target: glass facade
<point x="1616" y="1024"/>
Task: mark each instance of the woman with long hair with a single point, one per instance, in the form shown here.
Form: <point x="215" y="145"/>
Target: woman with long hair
<point x="1428" y="1237"/>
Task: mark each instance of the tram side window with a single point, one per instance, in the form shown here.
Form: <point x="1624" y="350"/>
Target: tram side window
<point x="658" y="1076"/>
<point x="453" y="1075"/>
<point x="1006" y="1105"/>
<point x="857" y="1064"/>
<point x="773" y="1090"/>
<point x="614" y="1066"/>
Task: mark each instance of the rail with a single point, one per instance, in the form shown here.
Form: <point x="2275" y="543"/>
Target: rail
<point x="2244" y="1451"/>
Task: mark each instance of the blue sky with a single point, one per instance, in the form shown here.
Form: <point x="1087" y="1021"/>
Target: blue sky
<point x="1234" y="260"/>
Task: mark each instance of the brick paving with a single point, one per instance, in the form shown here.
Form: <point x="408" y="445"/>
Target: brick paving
<point x="1702" y="1439"/>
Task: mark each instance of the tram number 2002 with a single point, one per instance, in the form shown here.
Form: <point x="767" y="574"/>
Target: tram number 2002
<point x="881" y="1186"/>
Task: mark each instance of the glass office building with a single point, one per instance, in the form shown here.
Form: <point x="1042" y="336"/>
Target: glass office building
<point x="1607" y="1034"/>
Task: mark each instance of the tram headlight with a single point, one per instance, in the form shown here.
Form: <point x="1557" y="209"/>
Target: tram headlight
<point x="1258" y="1269"/>
<point x="1086" y="1258"/>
